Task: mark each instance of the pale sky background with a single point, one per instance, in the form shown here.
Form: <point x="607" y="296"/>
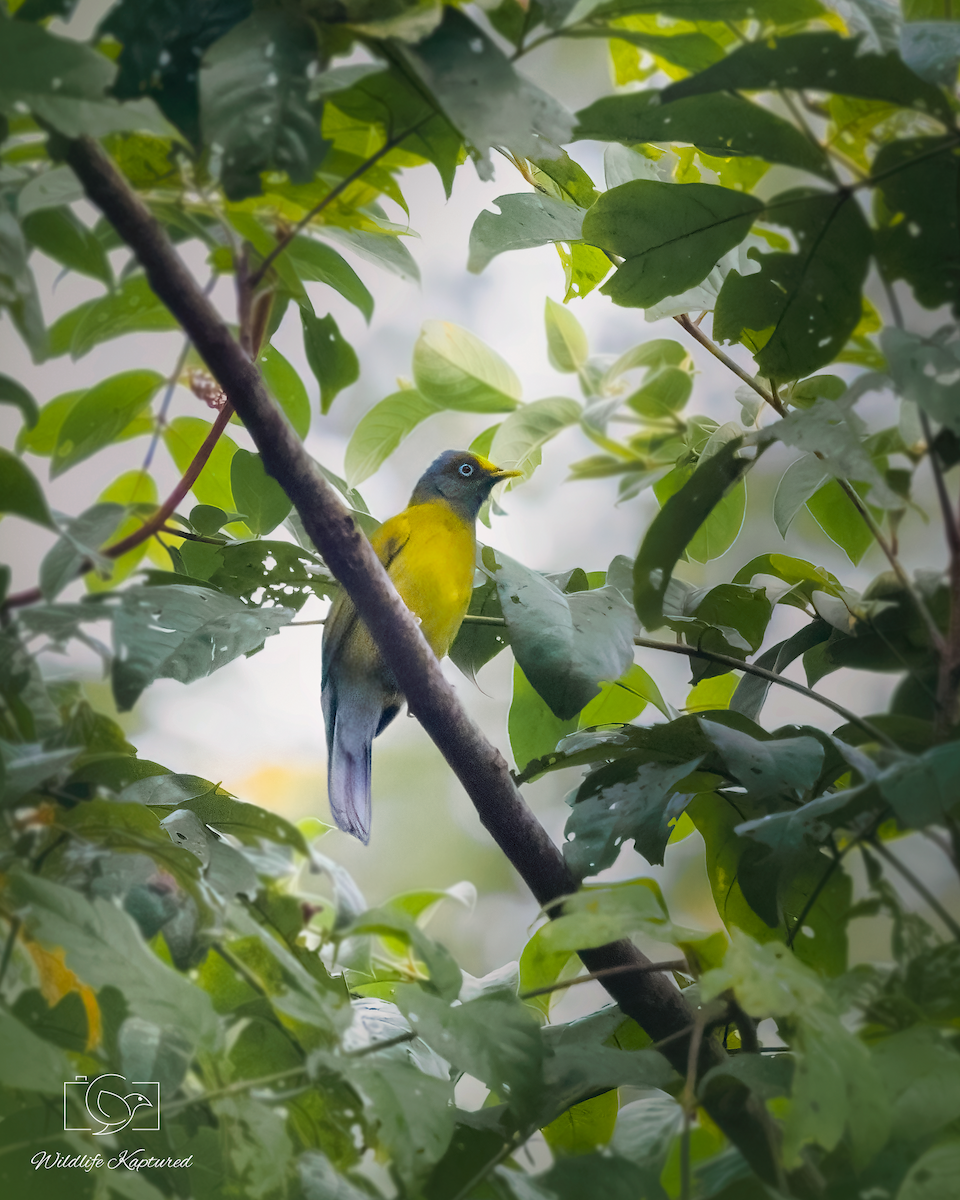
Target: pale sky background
<point x="256" y="726"/>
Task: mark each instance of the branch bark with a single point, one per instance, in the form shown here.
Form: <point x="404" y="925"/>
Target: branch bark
<point x="651" y="1000"/>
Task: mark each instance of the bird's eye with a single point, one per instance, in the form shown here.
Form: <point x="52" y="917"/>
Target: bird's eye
<point x="466" y="470"/>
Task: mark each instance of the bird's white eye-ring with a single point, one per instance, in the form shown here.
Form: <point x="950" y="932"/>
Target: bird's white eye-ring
<point x="466" y="470"/>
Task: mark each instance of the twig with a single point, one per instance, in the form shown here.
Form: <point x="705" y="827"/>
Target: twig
<point x="735" y="664"/>
<point x="708" y="344"/>
<point x="918" y="886"/>
<point x="15" y="925"/>
<point x="509" y="1147"/>
<point x="165" y="403"/>
<point x="231" y="1089"/>
<point x="256" y="278"/>
<point x="192" y="537"/>
<point x="409" y="1036"/>
<point x="680" y="964"/>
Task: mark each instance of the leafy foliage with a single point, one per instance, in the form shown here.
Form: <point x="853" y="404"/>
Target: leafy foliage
<point x="154" y="925"/>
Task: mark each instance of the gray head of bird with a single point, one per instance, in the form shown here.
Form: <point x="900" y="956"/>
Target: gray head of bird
<point x="462" y="479"/>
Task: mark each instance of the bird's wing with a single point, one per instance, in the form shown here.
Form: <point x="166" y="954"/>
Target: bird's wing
<point x="388" y="541"/>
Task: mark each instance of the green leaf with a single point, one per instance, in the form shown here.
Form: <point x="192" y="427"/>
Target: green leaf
<point x="30" y="1063"/>
<point x="518" y="441"/>
<point x="12" y="392"/>
<point x="511" y="1064"/>
<point x="584" y="268"/>
<point x="101" y="415"/>
<point x="64" y="238"/>
<point x="27" y="766"/>
<point x="183" y="437"/>
<point x="20" y="493"/>
<point x="797" y="484"/>
<point x="453" y="369"/>
<point x="64" y="83"/>
<point x="103" y="945"/>
<point x="316" y="262"/>
<point x="643" y="807"/>
<point x="622" y="700"/>
<point x="916" y="203"/>
<point x="788" y="766"/>
<point x="287" y="388"/>
<point x="525" y="220"/>
<point x="382" y="249"/>
<point x="572" y="1178"/>
<point x="246" y="822"/>
<point x="132" y="308"/>
<point x="752" y="690"/>
<point x="825" y="62"/>
<point x="722" y="124"/>
<point x="81" y="540"/>
<point x="798" y="311"/>
<point x="670" y="235"/>
<point x="585" y="1126"/>
<point x="924" y="371"/>
<point x="52" y="188"/>
<point x="481" y="94"/>
<point x="837" y="516"/>
<point x="596" y="915"/>
<point x="533" y="729"/>
<point x="475" y="645"/>
<point x="676" y="524"/>
<point x="644" y="1130"/>
<point x="567" y="345"/>
<point x="18" y="289"/>
<point x="258" y="496"/>
<point x="255" y="101"/>
<point x="381" y="430"/>
<point x="181" y="633"/>
<point x="333" y="360"/>
<point x="565" y="644"/>
<point x="934" y="1174"/>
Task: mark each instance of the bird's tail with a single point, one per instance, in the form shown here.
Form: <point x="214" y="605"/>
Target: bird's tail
<point x="352" y="723"/>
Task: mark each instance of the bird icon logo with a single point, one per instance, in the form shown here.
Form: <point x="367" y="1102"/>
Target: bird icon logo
<point x="111" y="1104"/>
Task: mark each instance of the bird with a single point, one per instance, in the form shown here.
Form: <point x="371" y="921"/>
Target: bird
<point x="429" y="551"/>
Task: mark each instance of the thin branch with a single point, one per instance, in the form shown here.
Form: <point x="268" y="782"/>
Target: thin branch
<point x="231" y="1089"/>
<point x="15" y="924"/>
<point x="735" y="664"/>
<point x="156" y="523"/>
<point x="918" y="886"/>
<point x="363" y="1051"/>
<point x="656" y="1005"/>
<point x="680" y="964"/>
<point x="192" y="537"/>
<point x="708" y="344"/>
<point x="256" y="278"/>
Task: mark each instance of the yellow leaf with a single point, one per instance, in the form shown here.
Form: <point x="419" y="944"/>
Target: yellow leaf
<point x="57" y="980"/>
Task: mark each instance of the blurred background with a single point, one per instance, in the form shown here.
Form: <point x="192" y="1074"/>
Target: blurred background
<point x="255" y="726"/>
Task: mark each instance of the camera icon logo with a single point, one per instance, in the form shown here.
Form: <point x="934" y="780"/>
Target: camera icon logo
<point x="109" y="1104"/>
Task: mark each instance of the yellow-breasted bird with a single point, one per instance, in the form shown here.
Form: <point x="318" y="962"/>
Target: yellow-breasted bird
<point x="429" y="551"/>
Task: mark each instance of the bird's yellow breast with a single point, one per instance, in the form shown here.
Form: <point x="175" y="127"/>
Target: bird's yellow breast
<point x="430" y="554"/>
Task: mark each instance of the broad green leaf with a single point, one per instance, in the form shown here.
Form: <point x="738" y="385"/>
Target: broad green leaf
<point x="18" y="289"/>
<point x="481" y="94"/>
<point x="671" y="236"/>
<point x="181" y="633"/>
<point x="12" y="392"/>
<point x="665" y="391"/>
<point x="690" y="51"/>
<point x="597" y="915"/>
<point x="653" y="355"/>
<point x="565" y="644"/>
<point x="567" y="345"/>
<point x="723" y="124"/>
<point x="584" y="268"/>
<point x="585" y="1127"/>
<point x="778" y="12"/>
<point x="642" y="807"/>
<point x="788" y="765"/>
<point x="837" y="516"/>
<point x="332" y="359"/>
<point x="931" y="49"/>
<point x="453" y="369"/>
<point x="525" y="220"/>
<point x="258" y="496"/>
<point x="64" y="238"/>
<point x="518" y="441"/>
<point x="644" y="1130"/>
<point x="80" y="540"/>
<point x="381" y="430"/>
<point x="824" y="62"/>
<point x="132" y="308"/>
<point x="64" y="83"/>
<point x="133" y="487"/>
<point x="934" y="1174"/>
<point x="798" y="311"/>
<point x="751" y="691"/>
<point x="30" y="1063"/>
<point x="622" y="700"/>
<point x="316" y="262"/>
<point x="20" y="493"/>
<point x="49" y="189"/>
<point x="475" y="645"/>
<point x="677" y="523"/>
<point x="533" y="729"/>
<point x="559" y="173"/>
<point x="100" y="416"/>
<point x="246" y="822"/>
<point x="391" y="924"/>
<point x="183" y="437"/>
<point x="799" y="482"/>
<point x="28" y="765"/>
<point x="382" y="249"/>
<point x="511" y="1064"/>
<point x="921" y="792"/>
<point x="104" y="945"/>
<point x="287" y="388"/>
<point x="925" y="371"/>
<point x="921" y="1075"/>
<point x="255" y="101"/>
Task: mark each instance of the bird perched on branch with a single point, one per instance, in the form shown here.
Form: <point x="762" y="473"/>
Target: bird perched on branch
<point x="429" y="551"/>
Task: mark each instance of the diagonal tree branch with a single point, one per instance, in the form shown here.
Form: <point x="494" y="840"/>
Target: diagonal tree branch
<point x="653" y="1002"/>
